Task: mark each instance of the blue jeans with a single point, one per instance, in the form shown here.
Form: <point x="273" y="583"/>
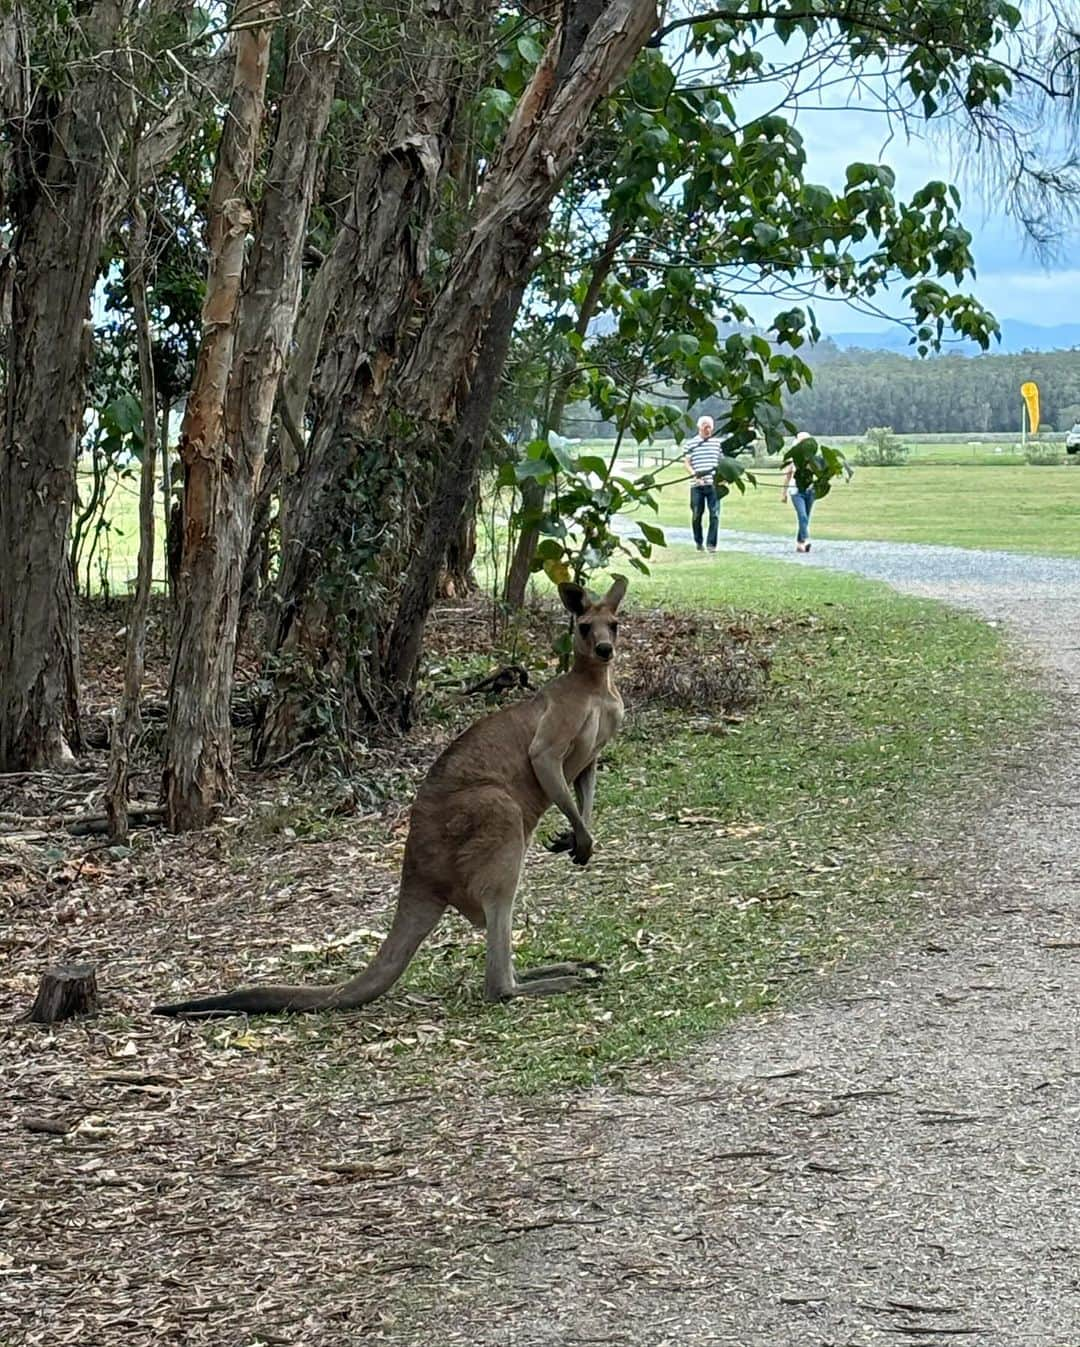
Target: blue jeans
<point x="804" y="503"/>
<point x="700" y="496"/>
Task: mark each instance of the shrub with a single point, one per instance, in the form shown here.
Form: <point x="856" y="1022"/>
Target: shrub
<point x="880" y="448"/>
<point x="691" y="666"/>
<point x="1043" y="454"/>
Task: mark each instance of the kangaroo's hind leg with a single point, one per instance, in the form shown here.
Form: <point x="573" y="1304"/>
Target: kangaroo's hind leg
<point x="501" y="983"/>
<point x="492" y="886"/>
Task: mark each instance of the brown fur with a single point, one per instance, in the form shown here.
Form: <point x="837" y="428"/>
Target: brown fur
<point x="472" y="821"/>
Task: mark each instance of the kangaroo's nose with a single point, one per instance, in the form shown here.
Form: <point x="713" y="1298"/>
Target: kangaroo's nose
<point x="605" y="649"/>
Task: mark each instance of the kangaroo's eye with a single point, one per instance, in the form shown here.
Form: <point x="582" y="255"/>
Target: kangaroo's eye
<point x="584" y="628"/>
<point x="614" y="630"/>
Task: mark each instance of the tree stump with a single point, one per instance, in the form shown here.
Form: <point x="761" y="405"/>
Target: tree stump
<point x="64" y="992"/>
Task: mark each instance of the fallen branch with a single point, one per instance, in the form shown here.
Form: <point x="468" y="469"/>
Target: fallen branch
<point x="87" y="825"/>
<point x="84" y="825"/>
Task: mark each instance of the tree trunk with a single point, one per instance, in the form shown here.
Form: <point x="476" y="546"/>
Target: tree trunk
<point x="257" y="562"/>
<point x="583" y="62"/>
<point x="128" y="721"/>
<point x="166" y="494"/>
<point x="581" y="65"/>
<point x="453" y="492"/>
<point x="227" y="421"/>
<point x="65" y="992"/>
<point x="458" y="579"/>
<point x="374" y="275"/>
<point x="393" y="443"/>
<point x="64" y="164"/>
<point x="528" y="539"/>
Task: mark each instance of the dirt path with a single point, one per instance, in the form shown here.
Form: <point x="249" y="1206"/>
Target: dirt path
<point x="896" y="1161"/>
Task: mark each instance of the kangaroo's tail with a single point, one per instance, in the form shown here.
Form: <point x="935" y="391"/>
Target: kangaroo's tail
<point x="413" y="921"/>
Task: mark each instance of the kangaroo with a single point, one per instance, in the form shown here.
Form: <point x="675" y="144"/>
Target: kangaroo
<point x="471" y="823"/>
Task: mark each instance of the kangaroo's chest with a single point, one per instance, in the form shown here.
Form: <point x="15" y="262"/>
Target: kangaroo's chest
<point x="601" y="726"/>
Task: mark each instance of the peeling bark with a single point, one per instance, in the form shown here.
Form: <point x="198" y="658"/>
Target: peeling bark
<point x="65" y="171"/>
<point x="364" y="298"/>
<point x="428" y="389"/>
<point x="548" y="127"/>
<point x="64" y="144"/>
<point x="483" y="292"/>
<point x="456" y="478"/>
<point x="248" y="324"/>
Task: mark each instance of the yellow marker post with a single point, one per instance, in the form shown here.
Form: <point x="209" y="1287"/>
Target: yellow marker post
<point x="1030" y="393"/>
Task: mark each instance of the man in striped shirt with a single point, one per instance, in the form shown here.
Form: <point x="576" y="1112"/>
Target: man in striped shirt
<point x="701" y="458"/>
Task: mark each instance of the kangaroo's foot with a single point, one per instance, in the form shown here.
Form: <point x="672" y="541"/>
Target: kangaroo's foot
<point x="541" y="986"/>
<point x="580" y="968"/>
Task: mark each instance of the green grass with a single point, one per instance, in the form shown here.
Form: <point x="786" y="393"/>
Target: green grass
<point x="1008" y="505"/>
<point x="948" y="492"/>
<point x="115" y="558"/>
<point x="732" y="860"/>
<point x="1023" y="509"/>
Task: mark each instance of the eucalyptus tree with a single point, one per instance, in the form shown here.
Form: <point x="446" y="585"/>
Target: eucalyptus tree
<point x="360" y="566"/>
<point x="76" y="83"/>
<point x="252" y="297"/>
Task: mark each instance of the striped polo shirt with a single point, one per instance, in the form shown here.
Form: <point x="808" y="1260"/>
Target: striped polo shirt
<point x="704" y="455"/>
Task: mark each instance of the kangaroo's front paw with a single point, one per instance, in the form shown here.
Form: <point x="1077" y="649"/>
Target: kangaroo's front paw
<point x="582" y="849"/>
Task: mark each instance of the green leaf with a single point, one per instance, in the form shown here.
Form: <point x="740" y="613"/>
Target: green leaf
<point x="124" y="414"/>
<point x="860" y="173"/>
<point x="530" y="50"/>
<point x="730" y="469"/>
<point x="593" y="463"/>
<point x="559" y="449"/>
<point x="558" y="572"/>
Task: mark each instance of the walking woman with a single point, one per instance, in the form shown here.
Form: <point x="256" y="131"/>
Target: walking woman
<point x="803" y="501"/>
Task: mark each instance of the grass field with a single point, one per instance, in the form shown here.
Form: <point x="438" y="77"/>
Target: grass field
<point x="1018" y="508"/>
<point x="1000" y="451"/>
<point x="968" y="495"/>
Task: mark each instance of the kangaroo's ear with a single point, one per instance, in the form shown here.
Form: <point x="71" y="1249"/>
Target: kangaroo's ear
<point x="616" y="593"/>
<point x="574" y="598"/>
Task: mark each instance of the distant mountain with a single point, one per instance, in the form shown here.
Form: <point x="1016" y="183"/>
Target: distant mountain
<point x="1016" y="336"/>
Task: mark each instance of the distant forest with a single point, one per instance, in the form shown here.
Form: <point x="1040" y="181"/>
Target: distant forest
<point x="855" y="389"/>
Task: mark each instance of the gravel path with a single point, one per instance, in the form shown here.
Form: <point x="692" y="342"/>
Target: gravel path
<point x="960" y="574"/>
<point x="897" y="1160"/>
